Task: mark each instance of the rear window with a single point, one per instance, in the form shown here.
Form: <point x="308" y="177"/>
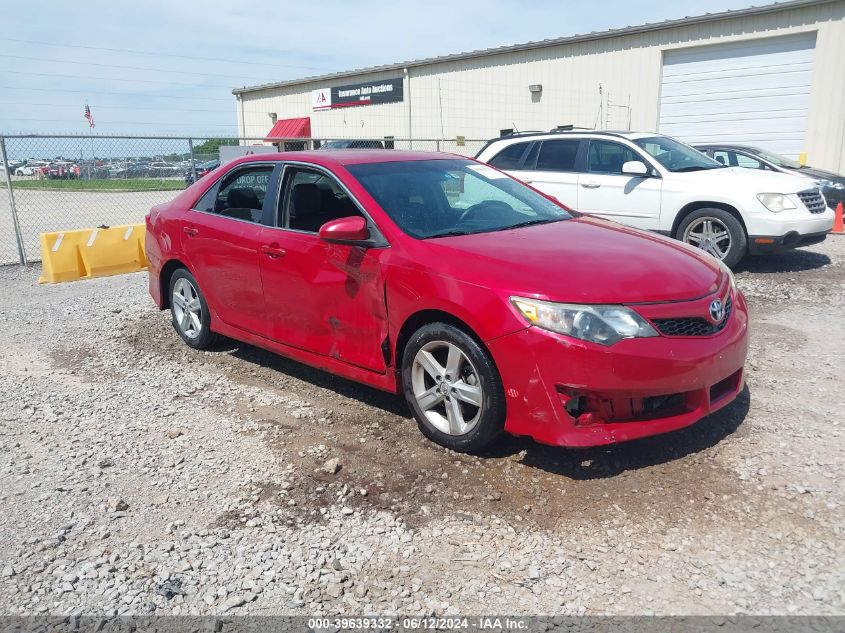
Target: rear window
<point x="510" y="157"/>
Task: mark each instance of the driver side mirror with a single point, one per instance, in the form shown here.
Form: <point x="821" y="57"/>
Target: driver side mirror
<point x="350" y="230"/>
<point x="635" y="168"/>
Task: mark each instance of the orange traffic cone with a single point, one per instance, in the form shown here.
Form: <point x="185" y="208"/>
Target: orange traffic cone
<point x="838" y="224"/>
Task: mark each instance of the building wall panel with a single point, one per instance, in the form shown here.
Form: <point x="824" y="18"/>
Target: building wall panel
<point x="478" y="96"/>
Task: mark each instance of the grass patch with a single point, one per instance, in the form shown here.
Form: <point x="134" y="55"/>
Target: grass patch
<point x="105" y="184"/>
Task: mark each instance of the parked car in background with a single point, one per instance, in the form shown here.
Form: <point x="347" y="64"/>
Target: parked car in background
<point x="137" y="170"/>
<point x="832" y="185"/>
<point x="202" y="169"/>
<point x="655" y="182"/>
<point x="13" y="165"/>
<point x="31" y="168"/>
<point x="162" y="169"/>
<point x="61" y="170"/>
<point x="352" y="144"/>
<point x="489" y="306"/>
<point x="115" y="170"/>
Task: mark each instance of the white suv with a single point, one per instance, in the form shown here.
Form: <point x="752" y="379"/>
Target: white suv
<point x="655" y="182"/>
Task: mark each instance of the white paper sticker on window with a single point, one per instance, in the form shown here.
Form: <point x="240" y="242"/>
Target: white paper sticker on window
<point x="487" y="172"/>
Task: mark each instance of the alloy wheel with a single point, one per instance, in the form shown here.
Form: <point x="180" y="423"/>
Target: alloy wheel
<point x="447" y="388"/>
<point x="710" y="235"/>
<point x="187" y="308"/>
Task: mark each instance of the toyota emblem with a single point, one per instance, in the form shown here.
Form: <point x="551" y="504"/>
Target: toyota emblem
<point x="717" y="310"/>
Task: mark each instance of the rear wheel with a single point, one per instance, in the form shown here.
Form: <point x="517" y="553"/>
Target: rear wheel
<point x="190" y="313"/>
<point x="453" y="388"/>
<point x="716" y="232"/>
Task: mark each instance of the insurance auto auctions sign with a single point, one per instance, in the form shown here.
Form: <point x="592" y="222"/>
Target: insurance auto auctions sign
<point x="369" y="93"/>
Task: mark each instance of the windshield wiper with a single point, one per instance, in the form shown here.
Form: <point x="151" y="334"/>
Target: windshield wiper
<point x="694" y="168"/>
<point x="447" y="234"/>
<point x="529" y="223"/>
<point x="502" y="228"/>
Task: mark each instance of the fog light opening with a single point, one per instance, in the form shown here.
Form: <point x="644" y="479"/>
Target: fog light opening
<point x="585" y="408"/>
<point x="576" y="406"/>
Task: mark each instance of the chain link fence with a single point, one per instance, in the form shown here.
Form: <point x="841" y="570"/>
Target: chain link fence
<point x="61" y="183"/>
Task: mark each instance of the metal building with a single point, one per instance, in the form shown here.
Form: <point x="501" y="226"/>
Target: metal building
<point x="772" y="76"/>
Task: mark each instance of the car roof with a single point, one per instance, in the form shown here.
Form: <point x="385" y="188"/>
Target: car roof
<point x="336" y="157"/>
<point x="725" y="146"/>
<point x="577" y="133"/>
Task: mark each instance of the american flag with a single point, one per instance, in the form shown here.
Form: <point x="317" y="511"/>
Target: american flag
<point x="88" y="115"/>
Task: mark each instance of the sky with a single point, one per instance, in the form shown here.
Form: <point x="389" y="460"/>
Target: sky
<point x="168" y="68"/>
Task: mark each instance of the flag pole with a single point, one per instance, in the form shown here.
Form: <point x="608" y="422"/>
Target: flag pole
<point x="90" y="118"/>
<point x="93" y="159"/>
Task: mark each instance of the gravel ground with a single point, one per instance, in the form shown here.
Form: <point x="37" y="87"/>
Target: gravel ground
<point x="138" y="476"/>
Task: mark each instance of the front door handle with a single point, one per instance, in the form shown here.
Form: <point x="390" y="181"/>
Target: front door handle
<point x="190" y="231"/>
<point x="590" y="185"/>
<point x="273" y="251"/>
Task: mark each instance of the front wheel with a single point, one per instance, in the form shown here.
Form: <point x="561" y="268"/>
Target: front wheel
<point x="453" y="388"/>
<point x="716" y="232"/>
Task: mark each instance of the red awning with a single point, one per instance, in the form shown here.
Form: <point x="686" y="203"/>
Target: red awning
<point x="290" y="128"/>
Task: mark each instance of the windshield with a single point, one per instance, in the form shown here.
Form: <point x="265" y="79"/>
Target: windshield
<point x="676" y="156"/>
<point x="776" y="159"/>
<point x="436" y="198"/>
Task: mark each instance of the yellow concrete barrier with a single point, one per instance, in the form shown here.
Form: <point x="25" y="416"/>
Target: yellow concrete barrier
<point x="87" y="253"/>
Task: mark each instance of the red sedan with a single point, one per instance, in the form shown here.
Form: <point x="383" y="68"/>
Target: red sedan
<point x="491" y="307"/>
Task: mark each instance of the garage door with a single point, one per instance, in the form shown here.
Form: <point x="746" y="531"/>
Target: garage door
<point x="753" y="92"/>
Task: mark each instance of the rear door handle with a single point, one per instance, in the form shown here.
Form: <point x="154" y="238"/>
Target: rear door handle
<point x="590" y="185"/>
<point x="190" y="231"/>
<point x="273" y="251"/>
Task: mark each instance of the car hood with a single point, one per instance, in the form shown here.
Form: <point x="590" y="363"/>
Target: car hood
<point x="583" y="260"/>
<point x="819" y="174"/>
<point x="753" y="180"/>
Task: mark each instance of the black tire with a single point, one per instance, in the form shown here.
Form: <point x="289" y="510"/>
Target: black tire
<point x="480" y="371"/>
<point x="202" y="337"/>
<point x="738" y="239"/>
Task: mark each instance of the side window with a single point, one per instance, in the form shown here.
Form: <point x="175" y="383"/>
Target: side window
<point x="530" y="160"/>
<point x="746" y="161"/>
<point x="607" y="157"/>
<point x="558" y="155"/>
<point x="509" y="157"/>
<point x="722" y="156"/>
<point x="206" y="203"/>
<point x="241" y="194"/>
<point x="312" y="198"/>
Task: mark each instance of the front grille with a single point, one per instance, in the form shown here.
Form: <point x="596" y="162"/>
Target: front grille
<point x="693" y="326"/>
<point x="813" y="200"/>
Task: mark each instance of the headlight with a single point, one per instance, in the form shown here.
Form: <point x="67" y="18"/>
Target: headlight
<point x="775" y="202"/>
<point x="830" y="184"/>
<point x="604" y="325"/>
